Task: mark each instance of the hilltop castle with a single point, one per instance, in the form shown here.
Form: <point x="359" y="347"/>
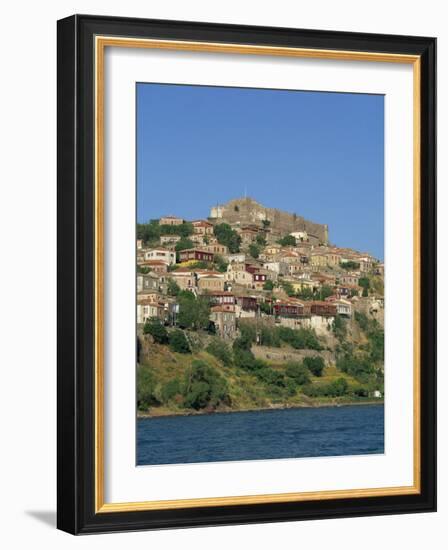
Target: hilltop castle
<point x="246" y="211"/>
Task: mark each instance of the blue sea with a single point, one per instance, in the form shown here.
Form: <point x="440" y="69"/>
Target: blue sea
<point x="257" y="435"/>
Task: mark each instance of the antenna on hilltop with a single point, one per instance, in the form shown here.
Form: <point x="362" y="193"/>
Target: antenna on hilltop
<point x="245" y="191"/>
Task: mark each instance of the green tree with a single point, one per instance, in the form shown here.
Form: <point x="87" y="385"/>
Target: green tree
<point x="254" y="250"/>
<point x="325" y="291"/>
<point x="364" y="282"/>
<point x="184" y="244"/>
<point x="155" y="328"/>
<point x="298" y="373"/>
<point x="173" y="288"/>
<point x="149" y="232"/>
<point x="268" y="285"/>
<point x="178" y="342"/>
<point x="221" y="351"/>
<point x="350" y="265"/>
<point x="204" y="387"/>
<point x="306" y="293"/>
<point x="362" y="320"/>
<point x="266" y="308"/>
<point x="338" y="388"/>
<point x="146" y="389"/>
<point x="339" y="327"/>
<point x="171" y="389"/>
<point x="269" y="337"/>
<point x="183" y="230"/>
<point x="301" y="338"/>
<point x="288" y="240"/>
<point x="315" y="365"/>
<point x="288" y="288"/>
<point x="260" y="240"/>
<point x="194" y="313"/>
<point x="248" y="331"/>
<point x="359" y="367"/>
<point x="242" y="354"/>
<point x="220" y="263"/>
<point x="228" y="237"/>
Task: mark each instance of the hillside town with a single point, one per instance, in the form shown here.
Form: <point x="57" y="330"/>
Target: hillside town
<point x="250" y="262"/>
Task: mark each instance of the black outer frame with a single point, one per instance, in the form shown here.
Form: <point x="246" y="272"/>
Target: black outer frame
<point x="75" y="402"/>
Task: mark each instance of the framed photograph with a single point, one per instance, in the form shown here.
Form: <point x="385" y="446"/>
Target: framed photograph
<point x="246" y="274"/>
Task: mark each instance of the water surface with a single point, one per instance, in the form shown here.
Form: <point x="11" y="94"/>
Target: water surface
<point x="286" y="433"/>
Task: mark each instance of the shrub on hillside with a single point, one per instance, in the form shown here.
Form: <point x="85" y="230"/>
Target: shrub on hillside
<point x="173" y="288"/>
<point x="171" y="389"/>
<point x="269" y="337"/>
<point x="315" y="365"/>
<point x="337" y="388"/>
<point x="339" y="327"/>
<point x="268" y="285"/>
<point x="248" y="331"/>
<point x="357" y="366"/>
<point x="155" y="328"/>
<point x="299" y="339"/>
<point x="298" y="373"/>
<point x="178" y="342"/>
<point x="204" y="387"/>
<point x="221" y="351"/>
<point x="146" y="389"/>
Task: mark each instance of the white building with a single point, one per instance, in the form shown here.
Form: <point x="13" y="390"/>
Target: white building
<point x="300" y="236"/>
<point x="240" y="257"/>
<point x="161" y="255"/>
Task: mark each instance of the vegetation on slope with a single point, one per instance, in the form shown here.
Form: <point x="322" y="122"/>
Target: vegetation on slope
<point x="184" y="371"/>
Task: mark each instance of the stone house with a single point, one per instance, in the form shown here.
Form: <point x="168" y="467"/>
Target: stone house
<point x="211" y="283"/>
<point x="236" y="272"/>
<point x="147" y="310"/>
<point x="366" y="264"/>
<point x="318" y="259"/>
<point x="170" y="220"/>
<point x="289" y="257"/>
<point x="169" y="239"/>
<point x="202" y="227"/>
<point x="223" y="317"/>
<point x="185" y="278"/>
<point x="216" y="248"/>
<point x="156" y="266"/>
<point x="147" y="282"/>
<point x="333" y="258"/>
<point x="296" y="268"/>
<point x="349" y="279"/>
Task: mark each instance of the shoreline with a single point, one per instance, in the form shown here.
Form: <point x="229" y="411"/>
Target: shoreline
<point x="141" y="416"/>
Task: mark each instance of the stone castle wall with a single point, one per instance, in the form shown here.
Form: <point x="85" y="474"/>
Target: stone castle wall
<point x="248" y="211"/>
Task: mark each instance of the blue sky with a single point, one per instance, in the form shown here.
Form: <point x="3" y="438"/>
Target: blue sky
<point x="318" y="154"/>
